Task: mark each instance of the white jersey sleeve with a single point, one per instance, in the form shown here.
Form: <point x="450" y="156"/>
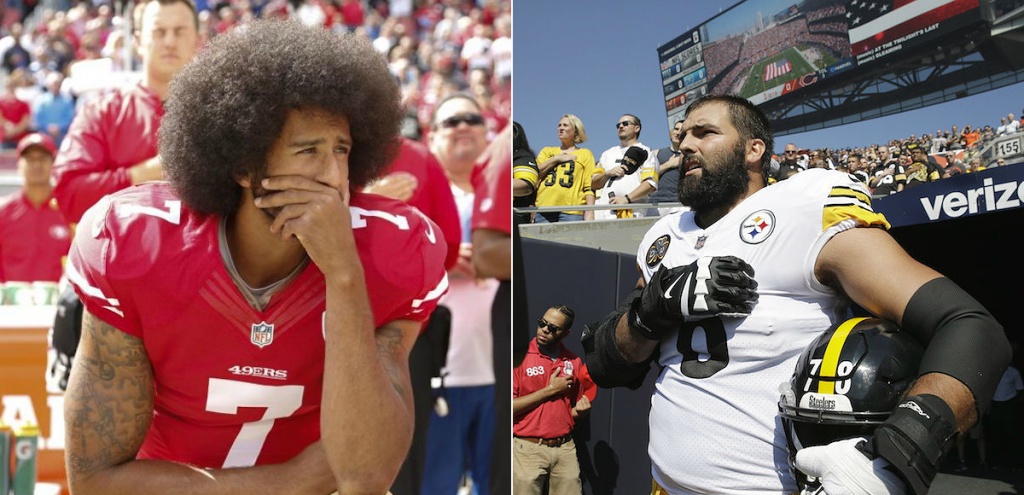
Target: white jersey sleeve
<point x="713" y="422"/>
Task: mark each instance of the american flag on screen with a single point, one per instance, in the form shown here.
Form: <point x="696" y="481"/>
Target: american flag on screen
<point x="872" y="23"/>
<point x="777" y="69"/>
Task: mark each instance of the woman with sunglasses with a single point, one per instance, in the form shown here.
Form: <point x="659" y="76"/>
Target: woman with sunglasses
<point x="565" y="173"/>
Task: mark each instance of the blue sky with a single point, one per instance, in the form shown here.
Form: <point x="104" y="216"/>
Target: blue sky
<point x="598" y="59"/>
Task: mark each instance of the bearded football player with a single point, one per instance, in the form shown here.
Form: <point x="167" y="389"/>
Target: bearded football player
<point x="733" y="291"/>
<point x="247" y="324"/>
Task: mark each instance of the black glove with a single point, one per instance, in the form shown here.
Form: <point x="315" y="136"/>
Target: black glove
<point x="720" y="285"/>
<point x="914" y="439"/>
<point x="634" y="157"/>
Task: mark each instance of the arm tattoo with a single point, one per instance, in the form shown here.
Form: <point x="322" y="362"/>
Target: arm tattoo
<point x="394" y="356"/>
<point x="109" y="401"/>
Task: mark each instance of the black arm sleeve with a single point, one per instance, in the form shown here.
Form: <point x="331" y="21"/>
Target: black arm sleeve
<point x="604" y="360"/>
<point x="963" y="340"/>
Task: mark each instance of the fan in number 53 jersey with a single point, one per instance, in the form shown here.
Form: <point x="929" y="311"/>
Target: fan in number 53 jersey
<point x="253" y="312"/>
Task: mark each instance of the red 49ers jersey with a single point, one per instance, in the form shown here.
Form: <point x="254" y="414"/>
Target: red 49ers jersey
<point x="235" y="386"/>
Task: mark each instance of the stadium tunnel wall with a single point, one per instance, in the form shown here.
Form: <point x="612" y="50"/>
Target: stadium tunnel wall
<point x="979" y="252"/>
<point x="611" y="442"/>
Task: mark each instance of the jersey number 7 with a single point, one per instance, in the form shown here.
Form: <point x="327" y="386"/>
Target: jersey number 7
<point x="226" y="396"/>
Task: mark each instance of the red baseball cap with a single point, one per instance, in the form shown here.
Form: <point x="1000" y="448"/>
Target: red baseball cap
<point x="37" y="139"/>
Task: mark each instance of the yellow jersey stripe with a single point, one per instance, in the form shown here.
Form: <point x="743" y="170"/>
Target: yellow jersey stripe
<point x="848" y="192"/>
<point x="528" y="174"/>
<point x="831" y="215"/>
<point x="831" y="362"/>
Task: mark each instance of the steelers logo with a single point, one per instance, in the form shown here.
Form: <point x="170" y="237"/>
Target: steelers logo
<point x="657" y="251"/>
<point x="757" y="227"/>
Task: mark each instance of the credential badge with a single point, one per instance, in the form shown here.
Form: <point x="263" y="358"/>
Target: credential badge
<point x="262" y="334"/>
<point x="757" y="227"/>
<point x="657" y="251"/>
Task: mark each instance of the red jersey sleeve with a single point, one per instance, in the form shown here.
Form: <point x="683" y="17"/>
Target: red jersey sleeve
<point x="587" y="385"/>
<point x="93" y="268"/>
<point x="442" y="208"/>
<point x="82" y="170"/>
<point x="433" y="195"/>
<point x="105" y="140"/>
<point x="403" y="254"/>
<point x="492" y="207"/>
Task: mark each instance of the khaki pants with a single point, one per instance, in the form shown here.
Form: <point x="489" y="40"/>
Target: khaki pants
<point x="532" y="462"/>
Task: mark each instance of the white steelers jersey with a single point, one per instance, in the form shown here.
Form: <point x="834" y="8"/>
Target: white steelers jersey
<point x="714" y="425"/>
<point x="611" y="158"/>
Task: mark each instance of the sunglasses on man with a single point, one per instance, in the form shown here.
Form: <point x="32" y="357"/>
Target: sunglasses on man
<point x="622" y="124"/>
<point x="454" y="121"/>
<point x="541" y="323"/>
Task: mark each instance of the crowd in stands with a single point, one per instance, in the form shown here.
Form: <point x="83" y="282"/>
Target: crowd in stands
<point x="826" y="12"/>
<point x="944" y="154"/>
<point x="728" y="59"/>
<point x="720" y="55"/>
<point x="434" y="48"/>
<point x="767" y="42"/>
<point x="828" y="27"/>
<point x="886" y="168"/>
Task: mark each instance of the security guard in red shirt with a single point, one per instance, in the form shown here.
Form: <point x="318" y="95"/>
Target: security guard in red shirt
<point x="550" y="390"/>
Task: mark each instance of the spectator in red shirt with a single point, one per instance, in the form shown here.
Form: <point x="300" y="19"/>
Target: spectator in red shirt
<point x="17" y="114"/>
<point x="33" y="234"/>
<point x="548" y="390"/>
<point x="417" y="178"/>
<point x="112" y="141"/>
<point x="352" y="13"/>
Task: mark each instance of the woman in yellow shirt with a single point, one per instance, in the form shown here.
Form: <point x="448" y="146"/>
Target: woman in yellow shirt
<point x="565" y="172"/>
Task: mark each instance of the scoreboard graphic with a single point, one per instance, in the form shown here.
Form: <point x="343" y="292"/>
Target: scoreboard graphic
<point x="768" y="49"/>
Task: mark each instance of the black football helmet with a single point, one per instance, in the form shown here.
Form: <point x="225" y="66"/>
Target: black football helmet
<point x="846" y="383"/>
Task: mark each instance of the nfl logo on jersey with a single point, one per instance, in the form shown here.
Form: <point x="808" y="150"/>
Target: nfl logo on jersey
<point x="262" y="334"/>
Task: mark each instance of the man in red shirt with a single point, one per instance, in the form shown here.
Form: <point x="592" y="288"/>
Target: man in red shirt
<point x="548" y="390"/>
<point x="17" y="115"/>
<point x="248" y="323"/>
<point x="111" y="143"/>
<point x="33" y="234"/>
<point x="417" y="178"/>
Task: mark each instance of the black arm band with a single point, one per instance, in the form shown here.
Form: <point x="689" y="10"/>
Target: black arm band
<point x="636" y="323"/>
<point x="605" y="362"/>
<point x="963" y="340"/>
<point x="915" y="438"/>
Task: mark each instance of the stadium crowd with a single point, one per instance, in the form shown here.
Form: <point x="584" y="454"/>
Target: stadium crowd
<point x="886" y="168"/>
<point x="434" y="47"/>
<point x="825" y="12"/>
<point x="732" y="56"/>
<point x="721" y="54"/>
